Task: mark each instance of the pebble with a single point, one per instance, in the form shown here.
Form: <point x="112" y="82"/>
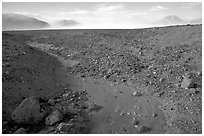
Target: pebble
<point x="136" y="93"/>
<point x="154" y="115"/>
<point x="66" y="94"/>
<point x="51" y="102"/>
<point x="64" y="127"/>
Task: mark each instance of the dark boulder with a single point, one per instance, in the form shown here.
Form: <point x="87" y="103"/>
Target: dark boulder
<point x="29" y="111"/>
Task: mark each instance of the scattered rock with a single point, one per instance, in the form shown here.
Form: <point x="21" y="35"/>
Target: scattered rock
<point x="136" y="93"/>
<point x="52" y="102"/>
<point x="53" y="118"/>
<point x="144" y="129"/>
<point x="67" y="94"/>
<point x="6" y="65"/>
<point x="189" y="82"/>
<point x="64" y="128"/>
<point x="186" y="82"/>
<point x="48" y="130"/>
<point x="29" y="111"/>
<point x="20" y="131"/>
<point x="154" y="115"/>
<point x="136" y="122"/>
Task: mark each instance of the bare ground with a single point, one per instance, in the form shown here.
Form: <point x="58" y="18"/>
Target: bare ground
<point x="135" y="76"/>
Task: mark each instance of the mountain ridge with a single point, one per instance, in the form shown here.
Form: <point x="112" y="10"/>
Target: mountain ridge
<point x="67" y="23"/>
<point x="175" y="20"/>
<point x="170" y="20"/>
<point x="11" y="21"/>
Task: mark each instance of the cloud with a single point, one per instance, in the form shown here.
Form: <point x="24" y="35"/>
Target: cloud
<point x="144" y="13"/>
<point x="62" y="13"/>
<point x="28" y="14"/>
<point x="73" y="12"/>
<point x="105" y="9"/>
<point x="190" y="5"/>
<point x="132" y="13"/>
<point x="194" y="4"/>
<point x="157" y="8"/>
<point x="78" y="11"/>
<point x="44" y="11"/>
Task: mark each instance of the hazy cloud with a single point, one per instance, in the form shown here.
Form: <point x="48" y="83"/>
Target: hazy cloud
<point x="44" y="11"/>
<point x="194" y="4"/>
<point x="78" y="11"/>
<point x="190" y="5"/>
<point x="105" y="9"/>
<point x="157" y="8"/>
<point x="135" y="12"/>
<point x="28" y="14"/>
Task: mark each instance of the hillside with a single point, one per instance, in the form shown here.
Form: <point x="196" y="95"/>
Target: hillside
<point x="12" y="21"/>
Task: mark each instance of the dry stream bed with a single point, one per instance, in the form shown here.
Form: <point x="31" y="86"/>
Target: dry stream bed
<point x="122" y="108"/>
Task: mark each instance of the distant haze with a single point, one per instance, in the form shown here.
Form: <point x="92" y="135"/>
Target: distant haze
<point x="101" y="15"/>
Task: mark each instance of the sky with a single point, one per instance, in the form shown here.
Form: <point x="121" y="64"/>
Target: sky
<point x="106" y="15"/>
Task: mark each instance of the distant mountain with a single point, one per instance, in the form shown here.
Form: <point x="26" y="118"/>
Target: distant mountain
<point x="67" y="23"/>
<point x="170" y="20"/>
<point x="196" y="21"/>
<point x="12" y="21"/>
